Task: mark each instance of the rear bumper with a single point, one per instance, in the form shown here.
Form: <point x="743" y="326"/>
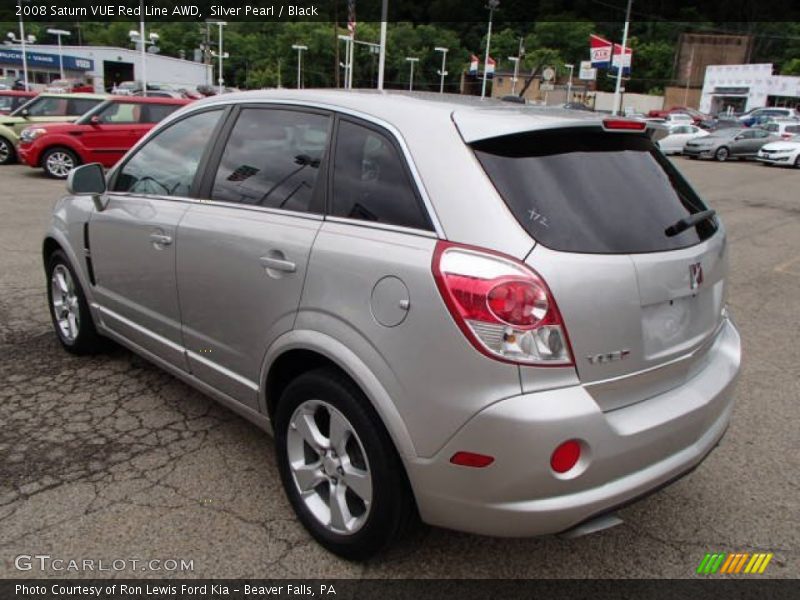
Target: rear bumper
<point x="28" y="154"/>
<point x="627" y="453"/>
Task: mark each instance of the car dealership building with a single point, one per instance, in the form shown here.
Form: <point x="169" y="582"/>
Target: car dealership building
<point x="744" y="87"/>
<point x="101" y="66"/>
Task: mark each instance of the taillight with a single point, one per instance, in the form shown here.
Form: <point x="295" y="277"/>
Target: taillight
<point x="624" y="125"/>
<point x="505" y="309"/>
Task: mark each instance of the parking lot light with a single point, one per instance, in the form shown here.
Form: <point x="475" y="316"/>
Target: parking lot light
<point x="492" y="6"/>
<point x="443" y="72"/>
<point x="58" y="33"/>
<point x="412" y="60"/>
<point x="300" y="49"/>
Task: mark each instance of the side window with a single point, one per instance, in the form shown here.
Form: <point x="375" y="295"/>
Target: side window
<point x="748" y="135"/>
<point x="79" y="106"/>
<point x="119" y="113"/>
<point x="370" y="181"/>
<point x="153" y="113"/>
<point x="166" y="164"/>
<point x="762" y="133"/>
<point x="793" y="129"/>
<point x="50" y="107"/>
<point x="272" y="159"/>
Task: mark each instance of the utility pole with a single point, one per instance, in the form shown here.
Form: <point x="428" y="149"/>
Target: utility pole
<point x="492" y="6"/>
<point x="688" y="78"/>
<point x="144" y="48"/>
<point x="620" y="68"/>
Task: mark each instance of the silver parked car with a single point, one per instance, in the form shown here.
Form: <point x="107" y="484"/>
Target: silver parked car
<point x="502" y="319"/>
<point x="724" y="144"/>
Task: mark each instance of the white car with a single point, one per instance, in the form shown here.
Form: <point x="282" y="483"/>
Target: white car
<point x="786" y="128"/>
<point x="678" y="135"/>
<point x="785" y="153"/>
<point x="677" y="118"/>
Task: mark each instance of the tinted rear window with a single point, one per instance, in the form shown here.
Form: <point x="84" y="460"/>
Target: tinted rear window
<point x="590" y="191"/>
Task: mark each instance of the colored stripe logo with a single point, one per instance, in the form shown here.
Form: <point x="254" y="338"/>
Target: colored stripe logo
<point x="734" y="563"/>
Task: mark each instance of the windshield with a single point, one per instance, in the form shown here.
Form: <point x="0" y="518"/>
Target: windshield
<point x="584" y="190"/>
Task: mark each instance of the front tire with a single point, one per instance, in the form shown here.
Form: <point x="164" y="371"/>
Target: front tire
<point x="339" y="467"/>
<point x="722" y="154"/>
<point x="8" y="154"/>
<point x="69" y="310"/>
<point x="58" y="162"/>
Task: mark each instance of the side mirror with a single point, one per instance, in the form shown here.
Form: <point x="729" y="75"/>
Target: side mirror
<point x="88" y="180"/>
<point x="95" y="120"/>
<point x="24" y="113"/>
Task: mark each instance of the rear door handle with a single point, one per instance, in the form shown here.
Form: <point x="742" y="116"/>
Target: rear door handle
<point x="161" y="239"/>
<point x="278" y="264"/>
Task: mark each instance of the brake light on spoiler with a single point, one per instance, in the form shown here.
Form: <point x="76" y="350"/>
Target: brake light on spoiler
<point x="623" y="125"/>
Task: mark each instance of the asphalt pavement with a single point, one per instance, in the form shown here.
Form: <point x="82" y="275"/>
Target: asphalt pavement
<point x="109" y="458"/>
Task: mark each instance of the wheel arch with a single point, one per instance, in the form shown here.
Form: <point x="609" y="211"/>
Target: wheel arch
<point x="299" y="351"/>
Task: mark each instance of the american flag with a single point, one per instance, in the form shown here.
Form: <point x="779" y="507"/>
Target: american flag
<point x="351" y="16"/>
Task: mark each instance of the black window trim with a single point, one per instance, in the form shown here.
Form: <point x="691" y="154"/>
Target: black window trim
<point x="201" y="166"/>
<point x="392" y="138"/>
<point x="318" y="200"/>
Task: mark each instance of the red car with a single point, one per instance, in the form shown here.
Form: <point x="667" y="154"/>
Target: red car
<point x="696" y="115"/>
<point x="102" y="135"/>
<point x="11" y="100"/>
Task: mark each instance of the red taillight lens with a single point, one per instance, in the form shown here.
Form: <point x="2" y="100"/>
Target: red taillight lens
<point x="471" y="459"/>
<point x="565" y="456"/>
<point x="502" y="306"/>
<point x="624" y="125"/>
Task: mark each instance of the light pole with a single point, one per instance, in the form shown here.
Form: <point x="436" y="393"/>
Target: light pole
<point x="443" y="72"/>
<point x="300" y="49"/>
<point x="221" y="55"/>
<point x="492" y="6"/>
<point x="569" y="83"/>
<point x="515" y="60"/>
<point x="58" y="33"/>
<point x="137" y="37"/>
<point x="382" y="57"/>
<point x="23" y="39"/>
<point x="348" y="61"/>
<point x="620" y="68"/>
<point x="411" y="60"/>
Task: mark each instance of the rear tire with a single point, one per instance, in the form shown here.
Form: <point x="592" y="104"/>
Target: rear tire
<point x="722" y="154"/>
<point x="797" y="161"/>
<point x="355" y="497"/>
<point x="58" y="162"/>
<point x="8" y="154"/>
<point x="69" y="310"/>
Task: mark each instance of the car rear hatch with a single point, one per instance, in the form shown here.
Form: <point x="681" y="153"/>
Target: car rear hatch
<point x="641" y="307"/>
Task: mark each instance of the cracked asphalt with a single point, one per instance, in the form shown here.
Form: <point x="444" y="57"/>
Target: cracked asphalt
<point x="110" y="458"/>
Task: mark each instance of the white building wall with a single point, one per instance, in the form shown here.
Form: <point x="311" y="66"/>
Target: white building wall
<point x="757" y="79"/>
<point x="160" y="69"/>
<point x="640" y="103"/>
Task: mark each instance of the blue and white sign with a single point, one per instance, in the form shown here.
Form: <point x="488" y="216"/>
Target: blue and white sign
<point x="39" y="59"/>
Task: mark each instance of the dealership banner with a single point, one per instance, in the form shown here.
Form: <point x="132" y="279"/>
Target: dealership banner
<point x="707" y="588"/>
<point x="511" y="11"/>
<point x="599" y="52"/>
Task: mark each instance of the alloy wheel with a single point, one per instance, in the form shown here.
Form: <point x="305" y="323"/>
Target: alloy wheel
<point x="5" y="151"/>
<point x="59" y="164"/>
<point x="329" y="467"/>
<point x="65" y="303"/>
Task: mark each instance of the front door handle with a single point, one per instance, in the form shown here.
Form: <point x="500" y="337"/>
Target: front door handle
<point x="161" y="239"/>
<point x="278" y="264"/>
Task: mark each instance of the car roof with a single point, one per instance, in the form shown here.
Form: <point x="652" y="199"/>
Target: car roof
<point x="148" y="100"/>
<point x="18" y="93"/>
<point x="79" y="95"/>
<point x="474" y="117"/>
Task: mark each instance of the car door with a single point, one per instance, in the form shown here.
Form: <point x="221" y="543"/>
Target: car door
<point x="743" y="143"/>
<point x="133" y="240"/>
<point x="243" y="252"/>
<point x="110" y="134"/>
<point x="762" y="137"/>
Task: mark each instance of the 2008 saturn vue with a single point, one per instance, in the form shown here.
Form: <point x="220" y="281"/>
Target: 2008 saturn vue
<point x="501" y="319"/>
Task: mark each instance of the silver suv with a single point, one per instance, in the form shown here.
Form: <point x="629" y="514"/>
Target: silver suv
<point x="500" y="319"/>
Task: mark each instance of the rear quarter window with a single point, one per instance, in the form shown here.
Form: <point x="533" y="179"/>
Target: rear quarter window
<point x="585" y="190"/>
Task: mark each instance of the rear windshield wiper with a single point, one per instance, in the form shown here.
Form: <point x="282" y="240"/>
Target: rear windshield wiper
<point x="690" y="221"/>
